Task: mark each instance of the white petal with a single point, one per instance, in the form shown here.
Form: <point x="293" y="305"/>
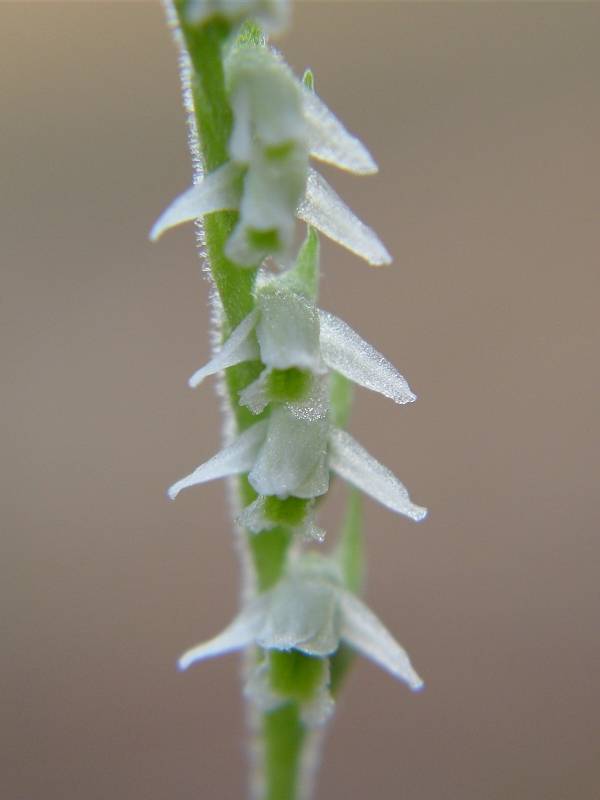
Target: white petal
<point x="302" y="615"/>
<point x="346" y="352"/>
<point x="329" y="140"/>
<point x="352" y="462"/>
<point x="293" y="458"/>
<point x="216" y="192"/>
<point x="288" y="330"/>
<point x="326" y="211"/>
<point x="256" y="396"/>
<point x="266" y="100"/>
<point x="236" y="636"/>
<point x="253" y="517"/>
<point x="364" y="632"/>
<point x="240" y="346"/>
<point x="235" y="459"/>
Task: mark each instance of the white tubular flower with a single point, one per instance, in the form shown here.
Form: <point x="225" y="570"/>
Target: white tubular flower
<point x="272" y="15"/>
<point x="309" y="610"/>
<point x="269" y="138"/>
<point x="292" y="333"/>
<point x="284" y="456"/>
<point x="287" y="456"/>
<point x="278" y="123"/>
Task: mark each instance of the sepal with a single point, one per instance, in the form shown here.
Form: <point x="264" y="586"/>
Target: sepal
<point x="326" y="211"/>
<point x="330" y="141"/>
<point x="349" y="460"/>
<point x="239" y="347"/>
<point x="344" y="351"/>
<point x="234" y="459"/>
<point x="218" y="191"/>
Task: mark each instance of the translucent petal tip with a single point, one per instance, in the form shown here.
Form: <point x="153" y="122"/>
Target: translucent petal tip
<point x="326" y="211"/>
<point x="353" y="463"/>
<point x="215" y="192"/>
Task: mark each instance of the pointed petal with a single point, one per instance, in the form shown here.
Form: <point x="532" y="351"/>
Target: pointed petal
<point x="240" y="346"/>
<point x="326" y="211"/>
<point x="353" y="463"/>
<point x="235" y="459"/>
<point x="346" y="352"/>
<point x="215" y="192"/>
<point x="329" y="140"/>
<point x="239" y="634"/>
<point x="364" y="632"/>
<point x="293" y="458"/>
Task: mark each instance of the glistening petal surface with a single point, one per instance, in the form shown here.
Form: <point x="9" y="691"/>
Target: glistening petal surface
<point x="288" y="330"/>
<point x="236" y="458"/>
<point x="329" y="141"/>
<point x="346" y="352"/>
<point x="364" y="632"/>
<point x="353" y="463"/>
<point x="293" y="458"/>
<point x="217" y="191"/>
<point x="326" y="211"/>
<point x="240" y="346"/>
<point x="302" y="614"/>
<point x="239" y="634"/>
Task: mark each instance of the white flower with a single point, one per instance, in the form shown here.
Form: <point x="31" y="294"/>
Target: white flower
<point x="277" y="123"/>
<point x="292" y="452"/>
<point x="288" y="457"/>
<point x="284" y="455"/>
<point x="309" y="610"/>
<point x="272" y="15"/>
<point x="286" y="330"/>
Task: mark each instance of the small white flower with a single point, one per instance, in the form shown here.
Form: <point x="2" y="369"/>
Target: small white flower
<point x="277" y="124"/>
<point x="284" y="455"/>
<point x="291" y="332"/>
<point x="290" y="457"/>
<point x="309" y="610"/>
<point x="292" y="452"/>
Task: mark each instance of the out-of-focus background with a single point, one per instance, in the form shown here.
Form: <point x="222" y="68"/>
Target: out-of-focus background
<point x="485" y="120"/>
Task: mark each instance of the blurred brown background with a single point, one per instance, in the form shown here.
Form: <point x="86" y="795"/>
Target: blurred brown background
<point x="485" y="120"/>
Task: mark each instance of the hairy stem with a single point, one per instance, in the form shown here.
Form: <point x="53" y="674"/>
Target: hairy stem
<point x="281" y="731"/>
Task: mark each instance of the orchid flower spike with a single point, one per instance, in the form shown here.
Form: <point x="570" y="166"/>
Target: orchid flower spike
<point x="278" y="123"/>
<point x="309" y="611"/>
<point x="292" y="452"/>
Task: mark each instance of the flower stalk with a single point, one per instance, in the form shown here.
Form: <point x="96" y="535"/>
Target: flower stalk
<point x="288" y="368"/>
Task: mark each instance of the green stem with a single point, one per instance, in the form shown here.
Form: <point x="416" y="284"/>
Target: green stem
<point x="282" y="731"/>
